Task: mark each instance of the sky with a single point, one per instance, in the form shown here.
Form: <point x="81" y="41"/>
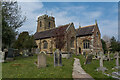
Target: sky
<point x="85" y="13"/>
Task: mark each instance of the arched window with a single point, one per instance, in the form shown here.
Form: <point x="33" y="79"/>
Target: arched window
<point x="40" y="24"/>
<point x="72" y="42"/>
<point x="49" y="25"/>
<point x="86" y="44"/>
<point x="45" y="44"/>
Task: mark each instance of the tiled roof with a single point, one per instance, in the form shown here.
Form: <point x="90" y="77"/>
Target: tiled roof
<point x="84" y="31"/>
<point x="51" y="32"/>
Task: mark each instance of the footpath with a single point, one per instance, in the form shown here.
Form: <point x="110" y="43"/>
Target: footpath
<point x="78" y="73"/>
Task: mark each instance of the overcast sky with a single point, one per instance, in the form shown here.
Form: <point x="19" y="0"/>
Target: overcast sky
<point x="84" y="13"/>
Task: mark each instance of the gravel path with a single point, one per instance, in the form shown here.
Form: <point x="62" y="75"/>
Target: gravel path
<point x="78" y="72"/>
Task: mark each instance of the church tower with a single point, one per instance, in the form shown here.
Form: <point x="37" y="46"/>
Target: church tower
<point x="45" y="22"/>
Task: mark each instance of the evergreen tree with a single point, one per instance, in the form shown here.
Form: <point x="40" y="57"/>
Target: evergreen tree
<point x="25" y="41"/>
<point x="114" y="44"/>
<point x="104" y="45"/>
<point x="11" y="20"/>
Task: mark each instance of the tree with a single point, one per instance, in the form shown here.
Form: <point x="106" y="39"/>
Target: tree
<point x="104" y="45"/>
<point x="118" y="47"/>
<point x="114" y="44"/>
<point x="59" y="38"/>
<point x="107" y="41"/>
<point x="11" y="20"/>
<point x="25" y="41"/>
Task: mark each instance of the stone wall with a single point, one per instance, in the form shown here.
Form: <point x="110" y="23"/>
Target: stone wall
<point x="95" y="42"/>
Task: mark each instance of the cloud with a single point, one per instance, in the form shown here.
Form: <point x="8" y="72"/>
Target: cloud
<point x="109" y="27"/>
<point x="65" y="15"/>
<point x="93" y="14"/>
<point x="28" y="9"/>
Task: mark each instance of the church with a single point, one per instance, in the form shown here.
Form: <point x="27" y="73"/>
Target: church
<point x="83" y="40"/>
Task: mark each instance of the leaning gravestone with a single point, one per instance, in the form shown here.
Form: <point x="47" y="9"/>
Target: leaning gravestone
<point x="88" y="59"/>
<point x="57" y="58"/>
<point x="101" y="68"/>
<point x="41" y="59"/>
<point x="10" y="55"/>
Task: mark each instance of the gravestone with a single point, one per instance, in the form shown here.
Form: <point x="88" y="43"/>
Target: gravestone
<point x="33" y="51"/>
<point x="101" y="68"/>
<point x="88" y="59"/>
<point x="41" y="59"/>
<point x="2" y="55"/>
<point x="108" y="56"/>
<point x="57" y="58"/>
<point x="37" y="51"/>
<point x="25" y="53"/>
<point x="10" y="55"/>
<point x="16" y="53"/>
<point x="117" y="60"/>
<point x="6" y="52"/>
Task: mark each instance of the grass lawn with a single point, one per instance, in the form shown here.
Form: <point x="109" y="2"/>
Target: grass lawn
<point x="25" y="68"/>
<point x="91" y="68"/>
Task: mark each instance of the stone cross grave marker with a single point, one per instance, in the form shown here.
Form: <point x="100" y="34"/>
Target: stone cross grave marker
<point x="57" y="58"/>
<point x="117" y="59"/>
<point x="88" y="59"/>
<point x="42" y="59"/>
<point x="101" y="68"/>
<point x="108" y="56"/>
<point x="10" y="55"/>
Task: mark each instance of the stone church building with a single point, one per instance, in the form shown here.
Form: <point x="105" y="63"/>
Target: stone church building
<point x="83" y="40"/>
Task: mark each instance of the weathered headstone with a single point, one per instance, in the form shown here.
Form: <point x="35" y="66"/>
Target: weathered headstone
<point x="67" y="55"/>
<point x="41" y="59"/>
<point x="37" y="51"/>
<point x="88" y="59"/>
<point x="2" y="55"/>
<point x="117" y="60"/>
<point x="25" y="53"/>
<point x="10" y="55"/>
<point x="108" y="56"/>
<point x="101" y="68"/>
<point x="16" y="53"/>
<point x="57" y="58"/>
<point x="6" y="52"/>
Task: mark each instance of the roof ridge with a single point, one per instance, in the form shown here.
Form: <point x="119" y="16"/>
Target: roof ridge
<point x="88" y="26"/>
<point x="55" y="28"/>
<point x="63" y="25"/>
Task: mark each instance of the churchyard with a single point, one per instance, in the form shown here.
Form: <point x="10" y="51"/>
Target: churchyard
<point x="49" y="67"/>
<point x="26" y="68"/>
<point x="61" y="52"/>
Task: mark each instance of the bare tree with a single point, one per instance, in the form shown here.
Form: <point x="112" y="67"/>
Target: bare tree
<point x="107" y="41"/>
<point x="59" y="38"/>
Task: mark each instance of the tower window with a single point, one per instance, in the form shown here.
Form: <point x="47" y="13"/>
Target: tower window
<point x="40" y="24"/>
<point x="49" y="25"/>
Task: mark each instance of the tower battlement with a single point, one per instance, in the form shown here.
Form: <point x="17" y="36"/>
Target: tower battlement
<point x="45" y="22"/>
